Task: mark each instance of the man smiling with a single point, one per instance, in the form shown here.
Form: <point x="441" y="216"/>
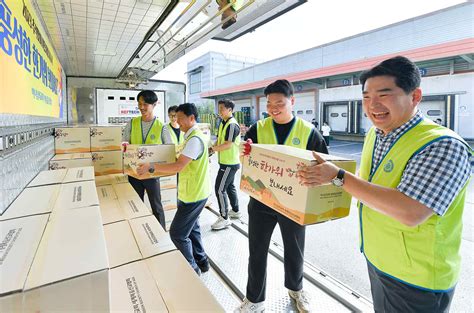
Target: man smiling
<point x="413" y="179"/>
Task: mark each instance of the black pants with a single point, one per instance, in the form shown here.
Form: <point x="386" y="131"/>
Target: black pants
<point x="262" y="221"/>
<point x="185" y="232"/>
<point x="152" y="187"/>
<point x="225" y="188"/>
<point x="390" y="295"/>
<point x="326" y="139"/>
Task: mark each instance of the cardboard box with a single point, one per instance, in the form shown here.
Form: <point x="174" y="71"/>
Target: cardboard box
<point x="269" y="176"/>
<point x="121" y="245"/>
<point x="107" y="162"/>
<point x="124" y="190"/>
<point x="48" y="178"/>
<point x="72" y="139"/>
<point x="137" y="154"/>
<point x="111" y="179"/>
<point x="169" y="182"/>
<point x="70" y="163"/>
<point x="133" y="207"/>
<point x="206" y="130"/>
<point x="111" y="212"/>
<point x="19" y="240"/>
<point x="32" y="201"/>
<point x="78" y="174"/>
<point x="82" y="155"/>
<point x="175" y="278"/>
<point x="169" y="199"/>
<point x="150" y="236"/>
<point x="106" y="138"/>
<point x="133" y="289"/>
<point x="76" y="195"/>
<point x="69" y="272"/>
<point x="106" y="193"/>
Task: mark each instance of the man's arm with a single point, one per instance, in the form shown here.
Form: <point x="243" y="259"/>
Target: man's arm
<point x="231" y="134"/>
<point x="385" y="200"/>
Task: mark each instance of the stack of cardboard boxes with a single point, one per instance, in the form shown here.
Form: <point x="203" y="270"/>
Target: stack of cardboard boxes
<point x="99" y="146"/>
<point x="56" y="254"/>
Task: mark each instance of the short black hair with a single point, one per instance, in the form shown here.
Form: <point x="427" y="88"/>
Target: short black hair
<point x="280" y="86"/>
<point x="406" y="73"/>
<point x="188" y="109"/>
<point x="149" y="96"/>
<point x="172" y="108"/>
<point x="227" y="103"/>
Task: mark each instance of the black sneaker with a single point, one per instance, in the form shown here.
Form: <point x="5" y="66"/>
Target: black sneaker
<point x="203" y="265"/>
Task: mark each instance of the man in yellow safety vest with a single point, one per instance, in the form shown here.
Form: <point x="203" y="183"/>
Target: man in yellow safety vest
<point x="193" y="188"/>
<point x="411" y="189"/>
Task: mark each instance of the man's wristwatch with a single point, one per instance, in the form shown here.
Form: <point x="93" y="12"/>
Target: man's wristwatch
<point x="338" y="181"/>
<point x="151" y="170"/>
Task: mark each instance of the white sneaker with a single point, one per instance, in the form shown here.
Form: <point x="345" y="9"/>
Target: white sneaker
<point x="302" y="300"/>
<point x="233" y="214"/>
<point x="221" y="223"/>
<point x="250" y="307"/>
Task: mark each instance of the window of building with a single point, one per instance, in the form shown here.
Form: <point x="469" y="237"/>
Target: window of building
<point x="299" y="112"/>
<point x="131" y="98"/>
<point x="110" y="98"/>
<point x="309" y="111"/>
<point x="195" y="82"/>
<point x="123" y="98"/>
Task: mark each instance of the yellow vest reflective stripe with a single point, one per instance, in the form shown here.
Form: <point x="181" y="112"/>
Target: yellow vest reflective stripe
<point x="231" y="155"/>
<point x="194" y="181"/>
<point x="298" y="136"/>
<point x="174" y="138"/>
<point x="153" y="136"/>
<point x="425" y="256"/>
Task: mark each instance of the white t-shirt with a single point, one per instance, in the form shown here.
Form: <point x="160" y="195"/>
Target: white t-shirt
<point x="326" y="129"/>
<point x="194" y="147"/>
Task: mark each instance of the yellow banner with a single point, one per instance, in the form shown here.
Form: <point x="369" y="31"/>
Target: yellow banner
<point x="31" y="78"/>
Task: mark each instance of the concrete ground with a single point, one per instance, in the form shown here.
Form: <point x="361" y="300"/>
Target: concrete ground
<point x="334" y="246"/>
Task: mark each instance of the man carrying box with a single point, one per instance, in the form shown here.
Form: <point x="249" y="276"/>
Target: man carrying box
<point x="411" y="190"/>
<point x="147" y="129"/>
<point x="193" y="188"/>
<point x="227" y="148"/>
<point x="281" y="127"/>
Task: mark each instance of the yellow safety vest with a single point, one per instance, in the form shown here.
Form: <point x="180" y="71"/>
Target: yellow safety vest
<point x="193" y="183"/>
<point x="298" y="136"/>
<point x="153" y="136"/>
<point x="425" y="256"/>
<point x="174" y="138"/>
<point x="231" y="155"/>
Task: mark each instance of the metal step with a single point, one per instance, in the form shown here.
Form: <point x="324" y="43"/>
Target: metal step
<point x="228" y="252"/>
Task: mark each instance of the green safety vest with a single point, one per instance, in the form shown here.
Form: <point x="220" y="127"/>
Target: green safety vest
<point x="175" y="139"/>
<point x="153" y="136"/>
<point x="298" y="136"/>
<point x="194" y="181"/>
<point x="425" y="256"/>
<point x="231" y="155"/>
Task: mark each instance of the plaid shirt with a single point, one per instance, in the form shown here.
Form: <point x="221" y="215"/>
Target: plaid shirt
<point x="434" y="176"/>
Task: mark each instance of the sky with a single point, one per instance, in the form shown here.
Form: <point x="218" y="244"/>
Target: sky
<point x="311" y="24"/>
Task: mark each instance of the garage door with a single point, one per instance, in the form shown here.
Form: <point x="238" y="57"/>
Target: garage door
<point x="337" y="117"/>
<point x="304" y="105"/>
<point x="434" y="110"/>
<point x="239" y="104"/>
